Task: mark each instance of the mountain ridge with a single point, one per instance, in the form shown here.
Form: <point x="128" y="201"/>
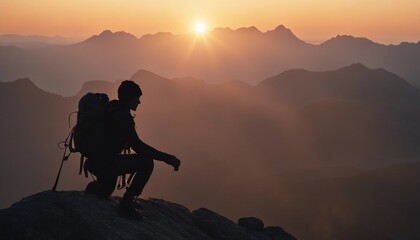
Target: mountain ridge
<point x="280" y="30"/>
<point x="108" y="36"/>
<point x="31" y="41"/>
<point x="15" y="38"/>
<point x="246" y="54"/>
<point x="355" y="81"/>
<point x="26" y="86"/>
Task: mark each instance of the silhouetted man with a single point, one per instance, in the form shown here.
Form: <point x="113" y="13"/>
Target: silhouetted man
<point x="108" y="163"/>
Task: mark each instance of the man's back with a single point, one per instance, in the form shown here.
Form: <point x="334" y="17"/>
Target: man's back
<point x="119" y="127"/>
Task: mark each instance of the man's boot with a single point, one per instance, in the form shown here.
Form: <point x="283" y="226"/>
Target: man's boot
<point x="93" y="188"/>
<point x="126" y="208"/>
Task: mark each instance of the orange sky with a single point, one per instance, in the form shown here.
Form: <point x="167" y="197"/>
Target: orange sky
<point x="386" y="21"/>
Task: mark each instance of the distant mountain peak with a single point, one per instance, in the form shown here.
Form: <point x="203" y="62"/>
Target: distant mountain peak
<point x="105" y="33"/>
<point x="24" y="81"/>
<point x="124" y="33"/>
<point x="251" y="29"/>
<point x="145" y="74"/>
<point x="281" y="32"/>
<point x="109" y="33"/>
<point x="226" y="31"/>
<point x="281" y="27"/>
<point x="109" y="36"/>
<point x="357" y="66"/>
<point x="222" y="30"/>
<point x="26" y="86"/>
<point x="348" y="39"/>
<point x="356" y="82"/>
<point x="158" y="35"/>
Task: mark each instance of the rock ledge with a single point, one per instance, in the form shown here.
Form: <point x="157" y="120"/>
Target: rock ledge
<point x="73" y="215"/>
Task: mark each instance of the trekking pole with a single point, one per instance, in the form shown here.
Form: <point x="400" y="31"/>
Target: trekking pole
<point x="65" y="157"/>
<point x="59" y="171"/>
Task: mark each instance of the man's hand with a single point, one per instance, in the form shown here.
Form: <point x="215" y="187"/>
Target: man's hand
<point x="173" y="161"/>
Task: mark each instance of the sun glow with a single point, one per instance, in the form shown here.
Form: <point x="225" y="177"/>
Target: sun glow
<point x="200" y="28"/>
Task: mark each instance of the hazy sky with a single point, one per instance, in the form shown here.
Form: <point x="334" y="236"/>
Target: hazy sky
<point x="386" y="21"/>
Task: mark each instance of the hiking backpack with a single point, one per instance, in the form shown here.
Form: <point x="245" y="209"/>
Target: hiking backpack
<point x="89" y="131"/>
<point x="88" y="134"/>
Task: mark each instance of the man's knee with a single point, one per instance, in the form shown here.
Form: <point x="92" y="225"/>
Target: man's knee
<point x="144" y="164"/>
<point x="147" y="165"/>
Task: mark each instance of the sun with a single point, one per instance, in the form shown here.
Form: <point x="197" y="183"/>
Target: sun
<point x="200" y="27"/>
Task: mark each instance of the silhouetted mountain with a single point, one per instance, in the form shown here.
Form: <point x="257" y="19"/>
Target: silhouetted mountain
<point x="246" y="54"/>
<point x="157" y="36"/>
<point x="32" y="41"/>
<point x="74" y="215"/>
<point x="352" y="83"/>
<point x="231" y="139"/>
<point x="248" y="30"/>
<point x="109" y="38"/>
<point x="144" y="74"/>
<point x="280" y="34"/>
<point x="354" y="109"/>
<point x="32" y="119"/>
<point x="347" y="41"/>
<point x="285" y="36"/>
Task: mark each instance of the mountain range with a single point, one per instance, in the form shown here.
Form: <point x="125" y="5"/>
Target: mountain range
<point x="34" y="41"/>
<point x="221" y="55"/>
<point x="284" y="149"/>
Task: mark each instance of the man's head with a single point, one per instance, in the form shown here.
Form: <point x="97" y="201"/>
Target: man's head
<point x="129" y="93"/>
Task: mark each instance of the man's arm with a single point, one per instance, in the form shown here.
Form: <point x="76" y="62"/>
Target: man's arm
<point x="142" y="148"/>
<point x="126" y="124"/>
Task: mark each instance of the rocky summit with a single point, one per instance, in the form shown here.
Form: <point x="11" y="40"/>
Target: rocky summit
<point x="75" y="215"/>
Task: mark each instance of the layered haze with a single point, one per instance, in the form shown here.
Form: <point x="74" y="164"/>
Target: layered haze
<point x="326" y="154"/>
<point x="302" y="113"/>
<point x="222" y="55"/>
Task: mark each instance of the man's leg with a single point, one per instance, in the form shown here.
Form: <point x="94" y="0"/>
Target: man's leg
<point x="103" y="186"/>
<point x="133" y="163"/>
<point x="107" y="185"/>
<point x="106" y="178"/>
<point x="143" y="167"/>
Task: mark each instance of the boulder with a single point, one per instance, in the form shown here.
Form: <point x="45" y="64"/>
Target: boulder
<point x="251" y="223"/>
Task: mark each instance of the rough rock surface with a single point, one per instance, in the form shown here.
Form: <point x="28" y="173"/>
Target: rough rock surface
<point x="74" y="215"/>
<point x="251" y="223"/>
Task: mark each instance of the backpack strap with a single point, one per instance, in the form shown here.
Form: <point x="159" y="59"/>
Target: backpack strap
<point x="130" y="178"/>
<point x="70" y="143"/>
<point x="82" y="167"/>
<point x="121" y="182"/>
<point x="124" y="182"/>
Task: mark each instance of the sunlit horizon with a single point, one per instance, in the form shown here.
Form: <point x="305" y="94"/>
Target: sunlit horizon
<point x="201" y="30"/>
<point x="388" y="22"/>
